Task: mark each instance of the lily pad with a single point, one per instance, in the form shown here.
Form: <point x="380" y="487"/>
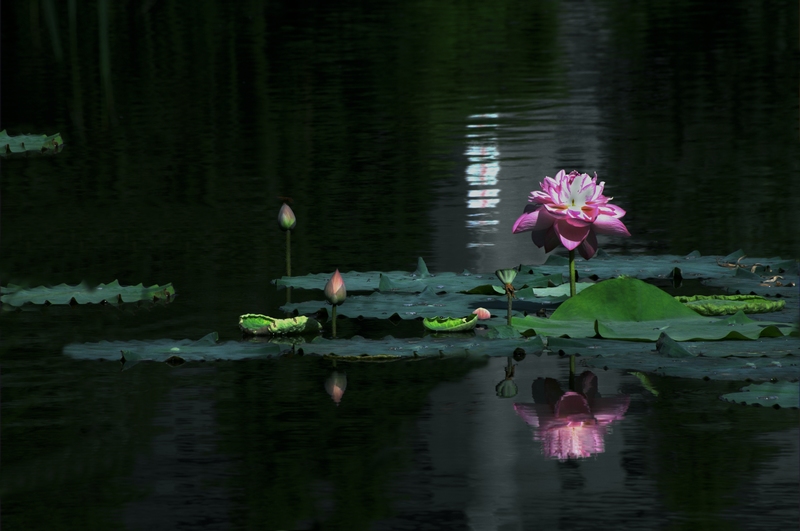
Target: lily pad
<point x="731" y="304"/>
<point x="83" y="294"/>
<point x="780" y="394"/>
<point x="264" y="325"/>
<point x="451" y="324"/>
<point x="206" y="348"/>
<point x="630" y="309"/>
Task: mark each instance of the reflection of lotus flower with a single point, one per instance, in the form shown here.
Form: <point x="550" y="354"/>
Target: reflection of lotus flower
<point x="335" y="385"/>
<point x="286" y="218"/>
<point x="571" y="210"/>
<point x="573" y="425"/>
<point x="335" y="291"/>
<point x="482" y="313"/>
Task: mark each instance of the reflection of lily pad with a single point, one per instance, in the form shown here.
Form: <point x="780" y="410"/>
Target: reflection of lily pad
<point x="83" y="294"/>
<point x="29" y="144"/>
<point x="264" y="325"/>
<point x="627" y="308"/>
<point x="451" y="324"/>
<point x="781" y="394"/>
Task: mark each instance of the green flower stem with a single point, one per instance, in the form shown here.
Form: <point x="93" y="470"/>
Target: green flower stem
<point x="334" y="321"/>
<point x="288" y="253"/>
<point x="572" y="273"/>
<point x="510" y="296"/>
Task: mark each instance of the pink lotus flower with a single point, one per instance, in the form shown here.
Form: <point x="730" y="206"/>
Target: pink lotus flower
<point x="570" y="210"/>
<point x="335" y="290"/>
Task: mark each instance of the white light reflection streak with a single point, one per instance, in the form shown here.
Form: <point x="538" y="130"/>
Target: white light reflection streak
<point x="482" y="171"/>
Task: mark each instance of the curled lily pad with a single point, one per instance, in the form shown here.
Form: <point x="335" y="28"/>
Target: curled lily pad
<point x="731" y="304"/>
<point x="451" y="324"/>
<point x="264" y="325"/>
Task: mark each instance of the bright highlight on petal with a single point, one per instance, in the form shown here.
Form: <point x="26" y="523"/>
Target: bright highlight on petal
<point x="570" y="209"/>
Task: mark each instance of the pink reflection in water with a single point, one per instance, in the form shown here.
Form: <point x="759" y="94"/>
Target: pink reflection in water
<point x="335" y="385"/>
<point x="572" y="425"/>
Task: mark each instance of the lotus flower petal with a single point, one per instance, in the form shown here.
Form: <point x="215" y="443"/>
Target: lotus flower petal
<point x="570" y="235"/>
<point x="610" y="225"/>
<point x="534" y="218"/>
<point x="588" y="247"/>
<point x="547" y="239"/>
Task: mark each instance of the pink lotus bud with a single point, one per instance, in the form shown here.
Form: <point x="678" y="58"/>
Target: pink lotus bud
<point x="335" y="291"/>
<point x="286" y="218"/>
<point x="482" y="313"/>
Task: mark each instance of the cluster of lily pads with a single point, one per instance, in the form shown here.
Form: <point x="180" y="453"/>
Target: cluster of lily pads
<point x="607" y="312"/>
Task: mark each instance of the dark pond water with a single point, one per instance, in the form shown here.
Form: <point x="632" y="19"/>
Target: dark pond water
<point x="399" y="130"/>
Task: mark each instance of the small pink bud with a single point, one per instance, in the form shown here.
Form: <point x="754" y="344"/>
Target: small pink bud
<point x="335" y="291"/>
<point x="286" y="218"/>
<point x="482" y="313"/>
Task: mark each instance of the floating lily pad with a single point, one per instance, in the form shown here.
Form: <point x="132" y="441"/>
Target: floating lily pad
<point x="731" y="304"/>
<point x="20" y="144"/>
<point x="83" y="294"/>
<point x="264" y="325"/>
<point x="205" y="349"/>
<point x="781" y="394"/>
<point x="630" y="309"/>
<point x="451" y="324"/>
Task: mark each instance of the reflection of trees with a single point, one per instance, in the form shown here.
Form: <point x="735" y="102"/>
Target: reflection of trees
<point x="704" y="111"/>
<point x="571" y="424"/>
<point x="705" y="452"/>
<point x="221" y="105"/>
<point x="71" y="430"/>
<point x="304" y="459"/>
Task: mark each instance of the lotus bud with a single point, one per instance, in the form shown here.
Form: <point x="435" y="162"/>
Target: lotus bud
<point x="335" y="291"/>
<point x="482" y="313"/>
<point x="506" y="389"/>
<point x="506" y="276"/>
<point x="335" y="385"/>
<point x="286" y="218"/>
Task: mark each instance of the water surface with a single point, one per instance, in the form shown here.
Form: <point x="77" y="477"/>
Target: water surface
<point x="398" y="130"/>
